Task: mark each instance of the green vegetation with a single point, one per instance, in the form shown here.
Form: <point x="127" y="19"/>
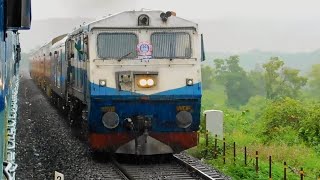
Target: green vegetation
<point x="272" y="109"/>
<point x="235" y="79"/>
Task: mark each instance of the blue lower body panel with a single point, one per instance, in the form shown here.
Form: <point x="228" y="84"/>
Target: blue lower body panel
<point x="159" y="131"/>
<point x="162" y="111"/>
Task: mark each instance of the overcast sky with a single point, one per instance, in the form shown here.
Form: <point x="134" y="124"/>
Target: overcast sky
<point x="233" y="25"/>
<point x="202" y="9"/>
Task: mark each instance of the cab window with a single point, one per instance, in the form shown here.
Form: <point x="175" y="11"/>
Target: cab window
<point x="117" y="45"/>
<point x="171" y="45"/>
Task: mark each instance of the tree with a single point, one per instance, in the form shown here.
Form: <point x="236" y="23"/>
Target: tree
<point x="207" y="77"/>
<point x="238" y="87"/>
<point x="258" y="80"/>
<point x="315" y="80"/>
<point x="292" y="82"/>
<point x="281" y="81"/>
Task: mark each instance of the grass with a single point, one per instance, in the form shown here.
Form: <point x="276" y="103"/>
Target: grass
<point x="296" y="156"/>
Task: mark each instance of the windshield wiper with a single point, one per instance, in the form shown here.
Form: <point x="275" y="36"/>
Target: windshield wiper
<point x="122" y="57"/>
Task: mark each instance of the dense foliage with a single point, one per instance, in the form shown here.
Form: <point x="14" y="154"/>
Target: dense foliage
<point x="273" y="108"/>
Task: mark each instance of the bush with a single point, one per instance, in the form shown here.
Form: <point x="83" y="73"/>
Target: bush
<point x="310" y="127"/>
<point x="281" y="117"/>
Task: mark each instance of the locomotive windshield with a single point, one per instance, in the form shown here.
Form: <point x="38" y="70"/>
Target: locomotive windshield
<point x="116" y="45"/>
<point x="171" y="45"/>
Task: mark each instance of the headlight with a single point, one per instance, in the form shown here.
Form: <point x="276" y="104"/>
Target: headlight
<point x="143" y="82"/>
<point x="110" y="120"/>
<point x="102" y="82"/>
<point x="189" y="82"/>
<point x="146" y="82"/>
<point x="184" y="119"/>
<point x="150" y="82"/>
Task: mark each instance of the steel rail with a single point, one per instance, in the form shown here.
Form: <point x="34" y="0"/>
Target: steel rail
<point x="120" y="169"/>
<point x="196" y="166"/>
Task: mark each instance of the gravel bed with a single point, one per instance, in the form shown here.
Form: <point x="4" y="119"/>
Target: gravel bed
<point x="158" y="171"/>
<point x="45" y="143"/>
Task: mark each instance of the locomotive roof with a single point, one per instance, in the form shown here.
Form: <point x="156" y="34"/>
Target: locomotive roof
<point x="126" y="19"/>
<point x="129" y="19"/>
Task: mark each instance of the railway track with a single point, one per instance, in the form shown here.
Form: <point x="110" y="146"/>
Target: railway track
<point x="179" y="166"/>
<point x="105" y="171"/>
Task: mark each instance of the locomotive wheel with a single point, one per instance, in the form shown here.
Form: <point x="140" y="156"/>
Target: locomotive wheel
<point x="71" y="118"/>
<point x="52" y="99"/>
<point x="78" y="125"/>
<point x="83" y="134"/>
<point x="65" y="108"/>
<point x="59" y="103"/>
<point x="74" y="117"/>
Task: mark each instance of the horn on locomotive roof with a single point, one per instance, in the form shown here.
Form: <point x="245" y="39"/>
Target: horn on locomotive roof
<point x="165" y="16"/>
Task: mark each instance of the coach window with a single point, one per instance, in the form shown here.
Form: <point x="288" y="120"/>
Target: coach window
<point x="117" y="45"/>
<point x="171" y="45"/>
<point x="70" y="48"/>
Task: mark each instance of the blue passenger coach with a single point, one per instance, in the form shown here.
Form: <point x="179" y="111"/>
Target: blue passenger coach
<point x="14" y="15"/>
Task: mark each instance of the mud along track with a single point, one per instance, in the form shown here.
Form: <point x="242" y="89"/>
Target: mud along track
<point x="45" y="142"/>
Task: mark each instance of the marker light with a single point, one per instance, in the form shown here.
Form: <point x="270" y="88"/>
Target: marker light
<point x="102" y="82"/>
<point x="189" y="82"/>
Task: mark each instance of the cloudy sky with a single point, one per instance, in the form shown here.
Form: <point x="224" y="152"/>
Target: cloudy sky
<point x="203" y="9"/>
<point x="228" y="25"/>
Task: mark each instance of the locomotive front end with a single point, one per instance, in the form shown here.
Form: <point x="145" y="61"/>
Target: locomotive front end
<point x="145" y="83"/>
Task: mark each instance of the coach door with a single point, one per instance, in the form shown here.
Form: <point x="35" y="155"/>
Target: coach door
<point x="70" y="56"/>
<point x="55" y="68"/>
<point x="85" y="60"/>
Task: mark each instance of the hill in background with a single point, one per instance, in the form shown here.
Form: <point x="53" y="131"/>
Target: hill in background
<point x="255" y="58"/>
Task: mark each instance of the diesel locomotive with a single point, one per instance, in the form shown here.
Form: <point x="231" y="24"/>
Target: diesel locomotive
<point x="133" y="77"/>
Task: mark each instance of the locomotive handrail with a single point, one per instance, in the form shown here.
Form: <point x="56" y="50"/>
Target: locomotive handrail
<point x="145" y="64"/>
<point x="148" y="60"/>
<point x="186" y="63"/>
